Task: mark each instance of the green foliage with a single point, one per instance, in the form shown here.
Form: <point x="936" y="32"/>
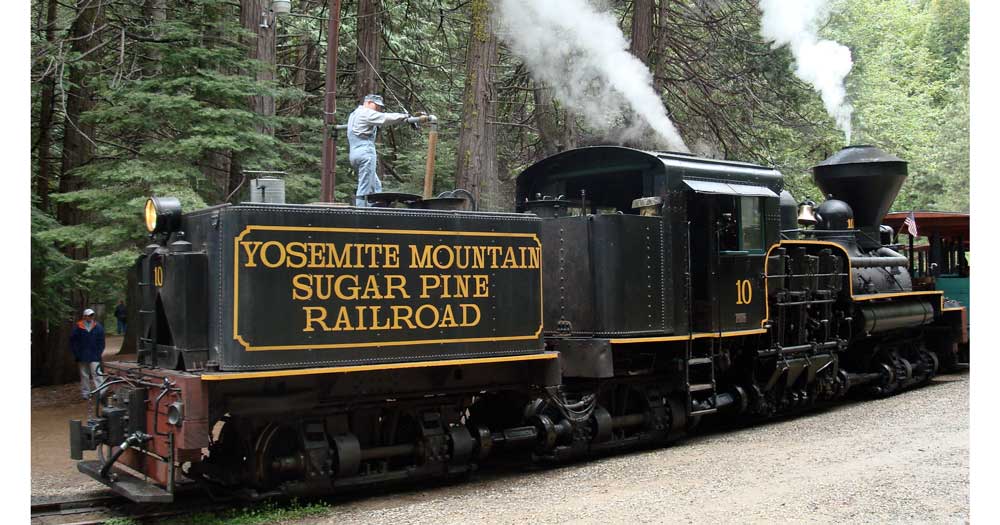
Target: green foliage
<point x="263" y="513"/>
<point x="53" y="274"/>
<point x="121" y="521"/>
<point x="907" y="88"/>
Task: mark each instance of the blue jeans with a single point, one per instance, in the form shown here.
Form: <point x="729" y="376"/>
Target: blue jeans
<point x="121" y="327"/>
<point x="364" y="160"/>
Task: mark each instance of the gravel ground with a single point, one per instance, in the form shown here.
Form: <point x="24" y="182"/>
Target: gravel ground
<point x="896" y="460"/>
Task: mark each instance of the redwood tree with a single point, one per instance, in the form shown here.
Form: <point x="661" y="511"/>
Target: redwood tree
<point x="477" y="145"/>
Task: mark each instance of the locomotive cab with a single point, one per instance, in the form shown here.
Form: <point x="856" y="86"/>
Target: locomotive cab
<point x="643" y="218"/>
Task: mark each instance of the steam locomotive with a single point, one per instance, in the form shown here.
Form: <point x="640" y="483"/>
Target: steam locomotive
<point x="302" y="349"/>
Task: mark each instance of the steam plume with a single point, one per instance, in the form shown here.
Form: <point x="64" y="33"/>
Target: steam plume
<point x="583" y="56"/>
<point x="824" y="64"/>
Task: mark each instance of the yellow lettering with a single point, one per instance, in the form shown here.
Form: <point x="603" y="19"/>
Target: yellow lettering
<point x="361" y="317"/>
<point x="461" y="263"/>
<point x="461" y="286"/>
<point x="303" y="290"/>
<point x="250" y="247"/>
<point x="375" y="326"/>
<point x="324" y="286"/>
<point x="343" y="321"/>
<point x="281" y="252"/>
<point x="432" y="310"/>
<point x="465" y="314"/>
<point x="478" y="256"/>
<point x="397" y="316"/>
<point x="299" y="253"/>
<point x="400" y="286"/>
<point x="371" y="289"/>
<point x="509" y="260"/>
<point x="420" y="259"/>
<point x="437" y="257"/>
<point x="425" y="286"/>
<point x="338" y="288"/>
<point x="482" y="285"/>
<point x="448" y="318"/>
<point x="493" y="251"/>
<point x="340" y="259"/>
<point x="391" y="256"/>
<point x="316" y="253"/>
<point x="310" y="310"/>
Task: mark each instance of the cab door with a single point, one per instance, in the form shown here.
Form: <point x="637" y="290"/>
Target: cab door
<point x="727" y="258"/>
<point x="741" y="257"/>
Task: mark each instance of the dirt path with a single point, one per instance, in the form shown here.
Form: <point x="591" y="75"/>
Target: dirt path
<point x="53" y="473"/>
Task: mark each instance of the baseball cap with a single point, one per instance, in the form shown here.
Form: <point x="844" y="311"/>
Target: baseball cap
<point x="375" y="98"/>
<point x="87" y="312"/>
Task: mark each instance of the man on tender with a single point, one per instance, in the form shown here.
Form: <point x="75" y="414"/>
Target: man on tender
<point x="87" y="344"/>
<point x="362" y="128"/>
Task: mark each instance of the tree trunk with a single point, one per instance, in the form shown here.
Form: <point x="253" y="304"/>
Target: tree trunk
<point x="255" y="17"/>
<point x="477" y="139"/>
<point x="78" y="146"/>
<point x="642" y="29"/>
<point x="51" y="340"/>
<point x="306" y="59"/>
<point x="44" y="179"/>
<point x="156" y="12"/>
<point x="546" y="120"/>
<point x="660" y="66"/>
<point x="215" y="164"/>
<point x="369" y="48"/>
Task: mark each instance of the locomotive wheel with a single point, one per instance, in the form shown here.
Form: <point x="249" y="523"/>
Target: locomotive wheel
<point x="277" y="455"/>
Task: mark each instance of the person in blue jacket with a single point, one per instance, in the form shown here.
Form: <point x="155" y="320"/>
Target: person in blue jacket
<point x="362" y="129"/>
<point x="87" y="344"/>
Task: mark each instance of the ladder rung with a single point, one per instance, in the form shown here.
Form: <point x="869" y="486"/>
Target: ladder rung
<point x="700" y="387"/>
<point x="706" y="411"/>
<point x="699" y="360"/>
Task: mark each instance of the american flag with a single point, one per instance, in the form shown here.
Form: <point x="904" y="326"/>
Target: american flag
<point x="911" y="224"/>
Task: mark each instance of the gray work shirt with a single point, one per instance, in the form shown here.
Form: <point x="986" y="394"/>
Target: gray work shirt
<point x="362" y="125"/>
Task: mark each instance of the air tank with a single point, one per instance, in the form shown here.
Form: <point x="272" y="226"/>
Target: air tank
<point x="866" y="178"/>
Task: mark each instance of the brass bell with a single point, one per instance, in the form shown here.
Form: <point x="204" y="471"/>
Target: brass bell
<point x="807" y="217"/>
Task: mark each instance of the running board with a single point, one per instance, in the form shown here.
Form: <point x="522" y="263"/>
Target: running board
<point x="126" y="484"/>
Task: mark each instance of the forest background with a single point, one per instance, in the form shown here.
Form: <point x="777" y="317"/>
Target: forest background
<point x="132" y="98"/>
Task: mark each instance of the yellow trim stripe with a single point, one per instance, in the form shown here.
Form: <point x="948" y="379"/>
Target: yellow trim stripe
<point x="251" y="227"/>
<point x="699" y="335"/>
<point x="959" y="309"/>
<point x="370" y="368"/>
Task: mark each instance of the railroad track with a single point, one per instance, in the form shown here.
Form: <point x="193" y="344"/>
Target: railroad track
<point x="99" y="509"/>
<point x="70" y="507"/>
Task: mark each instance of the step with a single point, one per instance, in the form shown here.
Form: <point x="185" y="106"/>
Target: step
<point x="699" y="360"/>
<point x="126" y="484"/>
<point x="699" y="387"/>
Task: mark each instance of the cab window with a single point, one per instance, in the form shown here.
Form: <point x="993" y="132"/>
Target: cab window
<point x="751" y="224"/>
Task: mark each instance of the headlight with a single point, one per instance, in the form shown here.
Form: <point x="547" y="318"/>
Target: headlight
<point x="162" y="214"/>
<point x="175" y="413"/>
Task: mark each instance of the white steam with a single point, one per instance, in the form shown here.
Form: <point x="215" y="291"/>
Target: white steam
<point x="583" y="56"/>
<point x="824" y="64"/>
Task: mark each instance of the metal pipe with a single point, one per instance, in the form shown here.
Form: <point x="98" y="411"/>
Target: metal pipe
<point x="630" y="420"/>
<point x="405" y="449"/>
<point x="328" y="179"/>
<point x="432" y="139"/>
<point x="885" y="257"/>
